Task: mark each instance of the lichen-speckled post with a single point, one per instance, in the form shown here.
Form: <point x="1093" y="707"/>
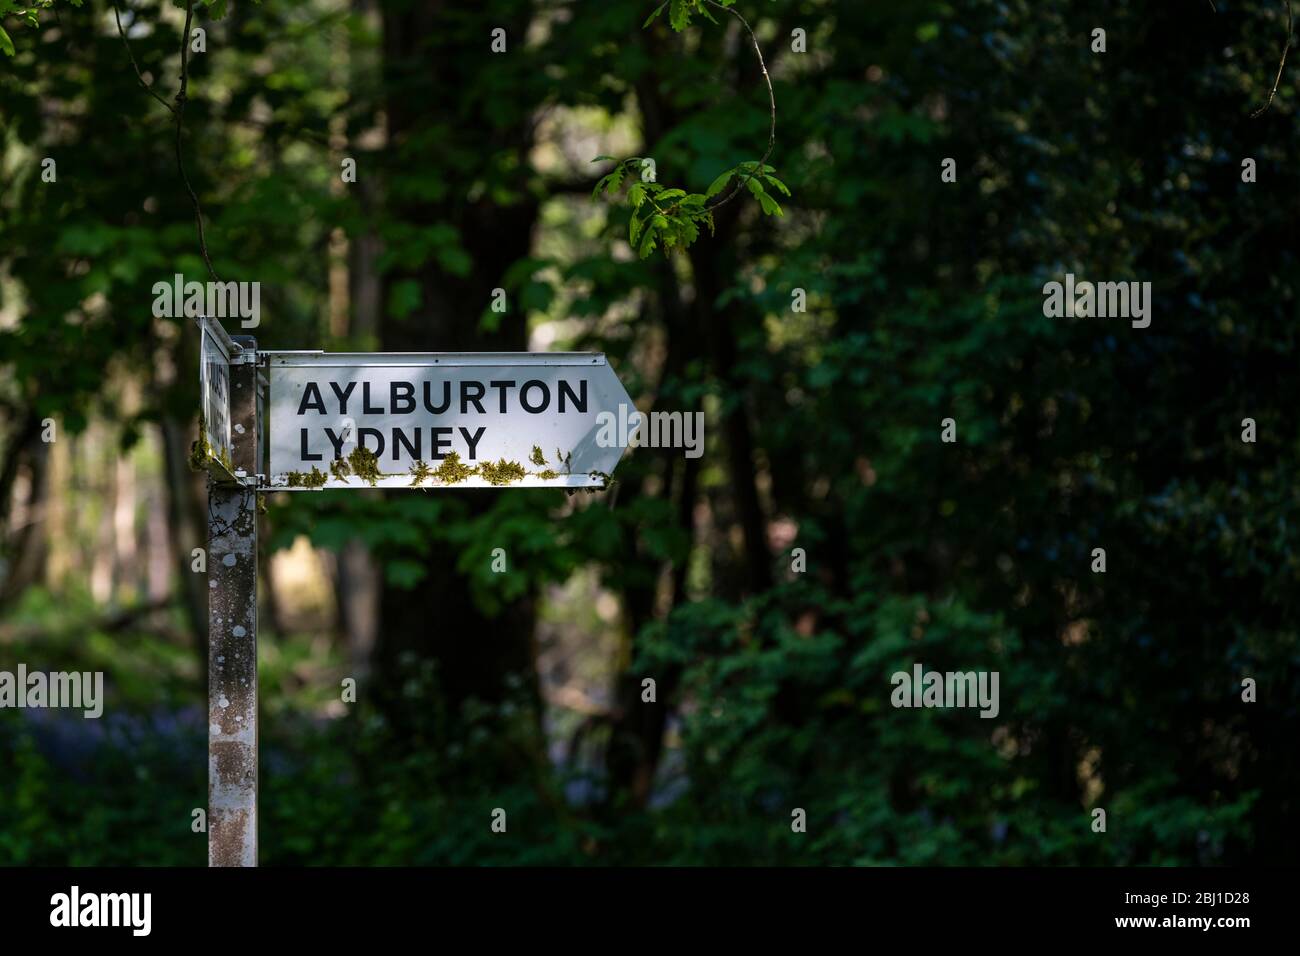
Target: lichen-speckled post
<point x="232" y="635"/>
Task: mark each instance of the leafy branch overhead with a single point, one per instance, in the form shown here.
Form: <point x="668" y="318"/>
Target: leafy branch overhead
<point x="668" y="218"/>
<point x="28" y="14"/>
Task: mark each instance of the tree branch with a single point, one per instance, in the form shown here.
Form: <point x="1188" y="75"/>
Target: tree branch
<point x="178" y="111"/>
<point x="117" y="15"/>
<point x="771" y="98"/>
<point x="180" y="118"/>
<point x="1285" y="50"/>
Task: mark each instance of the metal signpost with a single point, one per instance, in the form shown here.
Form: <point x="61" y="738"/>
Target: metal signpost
<point x="363" y="420"/>
<point x="230" y="375"/>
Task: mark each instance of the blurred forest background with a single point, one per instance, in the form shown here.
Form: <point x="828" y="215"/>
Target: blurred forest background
<point x="523" y="690"/>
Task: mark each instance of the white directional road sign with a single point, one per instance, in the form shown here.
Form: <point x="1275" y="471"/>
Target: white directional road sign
<point x="442" y="419"/>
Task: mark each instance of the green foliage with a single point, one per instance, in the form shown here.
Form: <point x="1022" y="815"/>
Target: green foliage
<point x="681" y="11"/>
<point x="670" y="218"/>
<point x="28" y="14"/>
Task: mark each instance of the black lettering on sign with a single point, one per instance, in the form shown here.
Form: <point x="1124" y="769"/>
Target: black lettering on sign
<point x="441" y="440"/>
<point x="343" y="395"/>
<point x="399" y="438"/>
<point x="379" y="439"/>
<point x="446" y="398"/>
<point x="309" y="402"/>
<point x="421" y="396"/>
<point x="501" y="391"/>
<point x="336" y="441"/>
<point x="472" y="440"/>
<point x="546" y="397"/>
<point x="476" y="398"/>
<point x="401" y="398"/>
<point x="579" y="400"/>
<point x="306" y="455"/>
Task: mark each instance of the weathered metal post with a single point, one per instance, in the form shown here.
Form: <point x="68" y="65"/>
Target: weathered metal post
<point x="232" y="629"/>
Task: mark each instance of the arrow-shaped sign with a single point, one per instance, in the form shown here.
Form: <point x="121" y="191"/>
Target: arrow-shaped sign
<point x="444" y="419"/>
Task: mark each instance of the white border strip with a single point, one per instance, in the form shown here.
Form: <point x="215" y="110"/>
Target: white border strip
<point x="292" y="359"/>
<point x="281" y="483"/>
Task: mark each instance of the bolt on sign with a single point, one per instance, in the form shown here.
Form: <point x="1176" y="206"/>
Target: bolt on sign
<point x="430" y="420"/>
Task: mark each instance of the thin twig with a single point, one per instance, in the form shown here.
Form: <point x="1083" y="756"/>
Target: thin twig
<point x="178" y="111"/>
<point x="771" y="97"/>
<point x="304" y="133"/>
<point x="180" y="119"/>
<point x="117" y="15"/>
<point x="1285" y="50"/>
